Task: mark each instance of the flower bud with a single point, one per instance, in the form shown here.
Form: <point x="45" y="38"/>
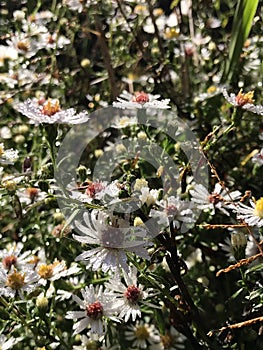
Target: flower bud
<point x="239" y="243"/>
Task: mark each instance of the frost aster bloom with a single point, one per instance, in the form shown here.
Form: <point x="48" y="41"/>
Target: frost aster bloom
<point x="49" y="112"/>
<point x="97" y="306"/>
<point x="129" y="294"/>
<point x="17" y="282"/>
<point x="143" y="336"/>
<point x="172" y="209"/>
<point x="55" y="271"/>
<point x="8" y="156"/>
<point x="258" y="157"/>
<point x="113" y="242"/>
<point x="252" y="215"/>
<point x="140" y="100"/>
<point x="218" y="199"/>
<point x="11" y="256"/>
<point x="244" y="101"/>
<point x="6" y="344"/>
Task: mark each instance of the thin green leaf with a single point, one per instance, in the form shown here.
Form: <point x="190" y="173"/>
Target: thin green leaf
<point x="242" y="23"/>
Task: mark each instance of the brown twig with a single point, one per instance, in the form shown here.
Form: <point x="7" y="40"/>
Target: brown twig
<point x="237" y="325"/>
<point x="241" y="262"/>
<point x="214" y="227"/>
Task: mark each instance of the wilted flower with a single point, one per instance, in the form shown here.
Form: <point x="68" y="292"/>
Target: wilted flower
<point x="140" y="100"/>
<point x="244" y="101"/>
<point x="49" y="112"/>
<point x="98" y="306"/>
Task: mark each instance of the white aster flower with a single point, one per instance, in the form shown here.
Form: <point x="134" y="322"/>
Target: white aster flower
<point x="172" y="340"/>
<point x="49" y="112"/>
<point x="143" y="336"/>
<point x="140" y="100"/>
<point x="129" y="294"/>
<point x="8" y="156"/>
<point x="88" y="342"/>
<point x="31" y="195"/>
<point x="7" y="53"/>
<point x="6" y="344"/>
<point x="55" y="271"/>
<point x="79" y="5"/>
<point x="252" y="215"/>
<point x="173" y="210"/>
<point x="148" y="196"/>
<point x="244" y="101"/>
<point x="258" y="157"/>
<point x="11" y="256"/>
<point x="113" y="240"/>
<point x="25" y="44"/>
<point x="98" y="307"/>
<point x="15" y="282"/>
<point x="220" y="198"/>
<point x="96" y="190"/>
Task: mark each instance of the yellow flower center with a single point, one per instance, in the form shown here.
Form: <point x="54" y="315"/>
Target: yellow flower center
<point x="167" y="340"/>
<point x="243" y="99"/>
<point x="45" y="271"/>
<point x="258" y="211"/>
<point x="51" y="107"/>
<point x="171" y="33"/>
<point x="23" y="45"/>
<point x="211" y="89"/>
<point x="16" y="280"/>
<point x="142" y="333"/>
<point x="2" y="149"/>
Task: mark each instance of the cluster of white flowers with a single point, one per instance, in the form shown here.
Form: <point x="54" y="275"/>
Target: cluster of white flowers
<point x="23" y="272"/>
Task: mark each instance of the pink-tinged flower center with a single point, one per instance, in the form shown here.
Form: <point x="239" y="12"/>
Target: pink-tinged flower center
<point x="171" y="210"/>
<point x="50" y="107"/>
<point x="94" y="188"/>
<point x="140" y="97"/>
<point x="51" y="39"/>
<point x="94" y="310"/>
<point x="243" y="99"/>
<point x="16" y="280"/>
<point x="112" y="238"/>
<point x="8" y="261"/>
<point x="214" y="198"/>
<point x="133" y="294"/>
